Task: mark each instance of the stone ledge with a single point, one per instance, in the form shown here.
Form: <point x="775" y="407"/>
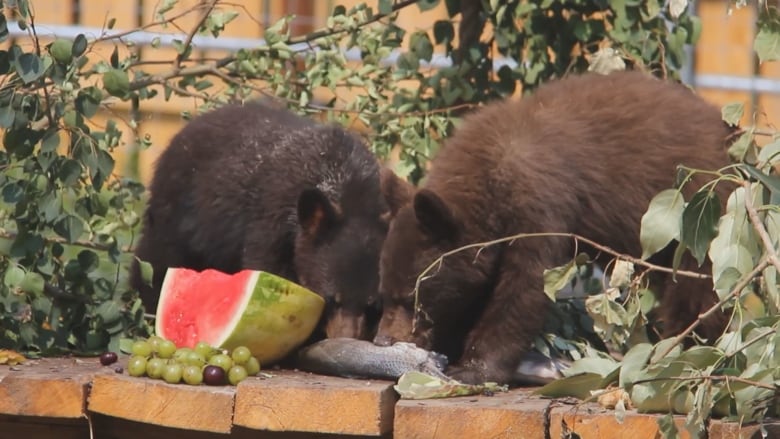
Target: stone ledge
<point x="66" y="397"/>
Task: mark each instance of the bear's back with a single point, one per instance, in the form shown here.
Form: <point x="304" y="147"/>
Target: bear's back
<point x="244" y="166"/>
<point x="585" y="154"/>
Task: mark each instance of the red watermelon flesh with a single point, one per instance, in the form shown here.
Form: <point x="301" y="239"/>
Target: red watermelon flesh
<point x="264" y="312"/>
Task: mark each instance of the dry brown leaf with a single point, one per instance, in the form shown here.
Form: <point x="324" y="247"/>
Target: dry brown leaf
<point x="11" y="358"/>
<point x="610" y="398"/>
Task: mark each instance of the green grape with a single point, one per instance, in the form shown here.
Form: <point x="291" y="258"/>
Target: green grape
<point x="222" y="361"/>
<point x="136" y="366"/>
<point x="142" y="348"/>
<point x="205" y="349"/>
<point x="241" y="355"/>
<point x="181" y="354"/>
<point x="155" y="367"/>
<point x="166" y="349"/>
<point x="236" y="374"/>
<point x="192" y="375"/>
<point x="172" y="373"/>
<point x="252" y="366"/>
<point x="154" y="341"/>
<point x="193" y="358"/>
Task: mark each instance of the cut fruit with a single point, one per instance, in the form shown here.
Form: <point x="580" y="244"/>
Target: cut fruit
<point x="266" y="313"/>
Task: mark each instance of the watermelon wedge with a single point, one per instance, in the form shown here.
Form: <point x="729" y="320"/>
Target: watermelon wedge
<point x="266" y="313"/>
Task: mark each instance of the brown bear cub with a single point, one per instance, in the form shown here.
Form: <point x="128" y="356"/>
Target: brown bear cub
<point x="258" y="187"/>
<point x="583" y="155"/>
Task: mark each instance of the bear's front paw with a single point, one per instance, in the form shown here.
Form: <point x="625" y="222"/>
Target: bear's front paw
<point x="478" y="372"/>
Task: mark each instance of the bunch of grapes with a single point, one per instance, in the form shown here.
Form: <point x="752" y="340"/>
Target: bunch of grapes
<point x="159" y="358"/>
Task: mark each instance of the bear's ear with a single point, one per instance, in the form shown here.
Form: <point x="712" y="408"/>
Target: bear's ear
<point x="396" y="191"/>
<point x="435" y="217"/>
<point x="315" y="212"/>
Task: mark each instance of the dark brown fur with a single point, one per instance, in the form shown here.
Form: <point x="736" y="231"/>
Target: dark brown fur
<point x="583" y="155"/>
<point x="258" y="187"/>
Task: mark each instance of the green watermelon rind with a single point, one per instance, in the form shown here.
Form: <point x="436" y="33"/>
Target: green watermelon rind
<point x="284" y="331"/>
<point x="278" y="316"/>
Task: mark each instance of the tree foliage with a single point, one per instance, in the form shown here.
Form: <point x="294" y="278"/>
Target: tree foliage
<point x="68" y="220"/>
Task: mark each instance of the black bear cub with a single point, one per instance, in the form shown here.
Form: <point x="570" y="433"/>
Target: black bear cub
<point x="583" y="155"/>
<point x="255" y="186"/>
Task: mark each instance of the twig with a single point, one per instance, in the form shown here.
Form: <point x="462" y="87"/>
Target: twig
<point x="735" y="292"/>
<point x="87" y="244"/>
<point x="56" y="292"/>
<point x="208" y="68"/>
<point x="328" y="32"/>
<point x="770" y="259"/>
<point x="41" y="81"/>
<point x="771" y="253"/>
<point x="120" y="35"/>
<point x="207" y="8"/>
<point x="577" y="238"/>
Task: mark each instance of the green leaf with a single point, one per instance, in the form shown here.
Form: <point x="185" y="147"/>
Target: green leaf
<point x="14" y="276"/>
<point x="740" y="147"/>
<point x="70" y="172"/>
<point x="73" y="119"/>
<point x="147" y="271"/>
<point x="32" y="283"/>
<point x="3" y="28"/>
<point x="50" y="142"/>
<point x="732" y="113"/>
<point x="767" y="42"/>
<point x="88" y="260"/>
<point x="443" y="32"/>
<point x="385" y="7"/>
<point x="700" y="223"/>
<point x="421" y="45"/>
<point x="408" y="61"/>
<point x="769" y="153"/>
<point x="677" y="7"/>
<point x="772" y="182"/>
<point x="109" y="311"/>
<point x="88" y="101"/>
<point x="79" y="45"/>
<point x="12" y="193"/>
<point x="7" y="116"/>
<point x="556" y="279"/>
<point x="70" y="228"/>
<point x="126" y="345"/>
<point x="166" y="6"/>
<point x="115" y="82"/>
<point x="425" y="5"/>
<point x="5" y="61"/>
<point x="62" y="50"/>
<point x="29" y="67"/>
<point x="699" y="357"/>
<point x="633" y="363"/>
<point x="114" y="60"/>
<point x="418" y="385"/>
<point x="598" y="365"/>
<point x="95" y="341"/>
<point x="667" y="427"/>
<point x="578" y="386"/>
<point x="661" y="223"/>
<point x="729" y="264"/>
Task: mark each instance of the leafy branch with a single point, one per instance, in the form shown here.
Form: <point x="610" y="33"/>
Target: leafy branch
<point x="480" y="246"/>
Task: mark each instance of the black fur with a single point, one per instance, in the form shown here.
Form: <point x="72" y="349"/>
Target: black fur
<point x="258" y="187"/>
